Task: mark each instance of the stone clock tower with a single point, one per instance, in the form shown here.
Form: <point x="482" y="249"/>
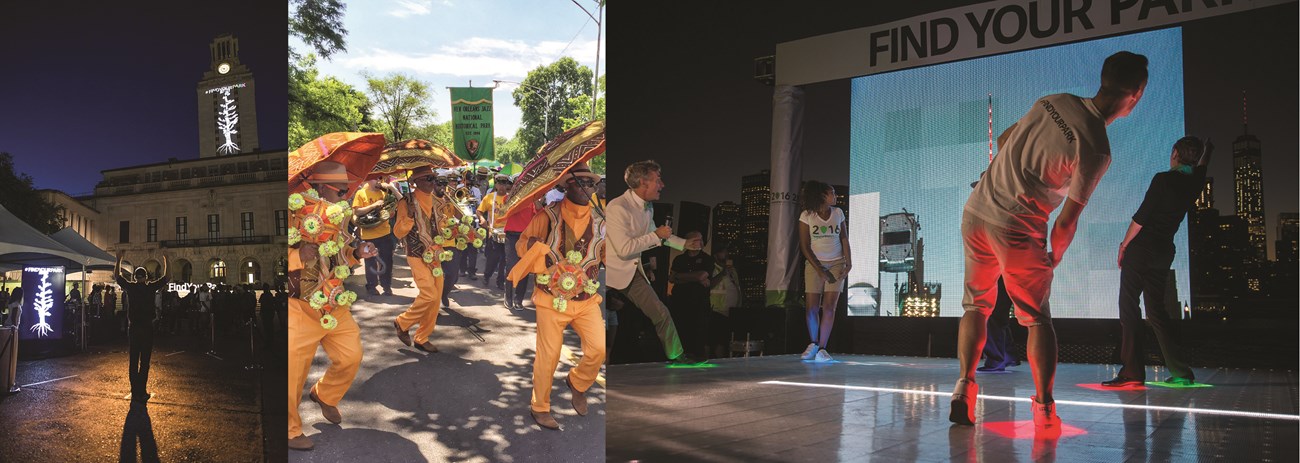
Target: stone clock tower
<point x="227" y="110"/>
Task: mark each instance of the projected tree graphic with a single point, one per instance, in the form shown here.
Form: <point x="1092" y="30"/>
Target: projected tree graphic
<point x="42" y="304"/>
<point x="227" y="120"/>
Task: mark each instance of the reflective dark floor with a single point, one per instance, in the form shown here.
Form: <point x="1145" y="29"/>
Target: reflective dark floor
<point x="873" y="408"/>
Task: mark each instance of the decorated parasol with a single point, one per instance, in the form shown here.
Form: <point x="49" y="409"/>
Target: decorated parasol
<point x="357" y="151"/>
<point x="410" y="154"/>
<point x="553" y="160"/>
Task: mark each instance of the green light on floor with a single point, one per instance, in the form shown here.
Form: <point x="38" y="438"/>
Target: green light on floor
<point x="1176" y="386"/>
<point x="693" y="365"/>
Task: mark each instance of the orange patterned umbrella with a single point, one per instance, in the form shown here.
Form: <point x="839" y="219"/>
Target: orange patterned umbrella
<point x="357" y="151"/>
<point x="410" y="154"/>
<point x="553" y="160"/>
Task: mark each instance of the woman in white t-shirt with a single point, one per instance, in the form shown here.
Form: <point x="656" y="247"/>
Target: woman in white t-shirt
<point x="824" y="241"/>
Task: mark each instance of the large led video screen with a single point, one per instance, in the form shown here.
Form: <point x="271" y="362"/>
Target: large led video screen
<point x="920" y="137"/>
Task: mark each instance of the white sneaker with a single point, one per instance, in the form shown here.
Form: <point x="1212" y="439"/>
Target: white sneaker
<point x="822" y="357"/>
<point x="809" y="352"/>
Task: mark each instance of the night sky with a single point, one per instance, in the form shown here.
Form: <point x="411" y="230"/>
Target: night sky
<point x="689" y="101"/>
<point x="89" y="86"/>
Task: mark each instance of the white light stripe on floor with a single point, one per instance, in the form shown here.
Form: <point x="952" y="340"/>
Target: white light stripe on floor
<point x="48" y="381"/>
<point x="174" y="353"/>
<point x="1201" y="411"/>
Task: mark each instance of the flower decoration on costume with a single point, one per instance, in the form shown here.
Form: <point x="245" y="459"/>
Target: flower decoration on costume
<point x="342" y="272"/>
<point x="345" y="298"/>
<point x="312" y="224"/>
<point x="446" y="256"/>
<point x="463" y="229"/>
<point x="591" y="287"/>
<point x="328" y="322"/>
<point x="318" y="300"/>
<point x="574" y="257"/>
<point x="335" y="212"/>
<point x="543" y="279"/>
<point x="560" y="304"/>
<point x="294" y="236"/>
<point x="460" y="244"/>
<point x="311" y="193"/>
<point x="427" y="257"/>
<point x="452" y="222"/>
<point x="437" y="272"/>
<point x="478" y="242"/>
<point x="329" y="248"/>
<point x="568" y="282"/>
<point x="296" y="202"/>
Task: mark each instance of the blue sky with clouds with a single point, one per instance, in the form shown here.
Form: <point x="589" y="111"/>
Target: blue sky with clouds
<point x="452" y="42"/>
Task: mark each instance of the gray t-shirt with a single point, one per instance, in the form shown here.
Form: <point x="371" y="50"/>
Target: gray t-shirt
<point x="1058" y="149"/>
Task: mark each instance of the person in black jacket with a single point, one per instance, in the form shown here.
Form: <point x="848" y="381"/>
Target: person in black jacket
<point x="1145" y="256"/>
<point x="141" y="313"/>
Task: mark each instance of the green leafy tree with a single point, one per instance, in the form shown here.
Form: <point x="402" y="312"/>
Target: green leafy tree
<point x="544" y="100"/>
<point x="319" y="23"/>
<point x="438" y="133"/>
<point x="322" y="105"/>
<point x="512" y="150"/>
<point x="580" y="113"/>
<point x="401" y="104"/>
<point x="19" y="196"/>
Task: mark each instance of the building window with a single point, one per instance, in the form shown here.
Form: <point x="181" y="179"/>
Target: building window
<point x="246" y="223"/>
<point x="281" y="222"/>
<point x="182" y="227"/>
<point x="151" y="231"/>
<point x="214" y="226"/>
<point x="217" y="270"/>
<point x="124" y="231"/>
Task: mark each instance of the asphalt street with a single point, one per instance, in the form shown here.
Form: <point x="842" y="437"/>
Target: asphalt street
<point x="468" y="402"/>
<point x="206" y="407"/>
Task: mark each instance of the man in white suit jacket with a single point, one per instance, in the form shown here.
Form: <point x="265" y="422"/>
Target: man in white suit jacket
<point x="629" y="225"/>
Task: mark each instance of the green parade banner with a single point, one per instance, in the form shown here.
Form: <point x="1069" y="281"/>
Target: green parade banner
<point x="471" y="123"/>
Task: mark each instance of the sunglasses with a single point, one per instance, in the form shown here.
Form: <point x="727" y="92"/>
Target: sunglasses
<point x="341" y="191"/>
<point x="583" y="182"/>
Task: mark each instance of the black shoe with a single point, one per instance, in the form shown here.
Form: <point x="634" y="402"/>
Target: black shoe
<point x="472" y="277"/>
<point x="1121" y="381"/>
<point x="387" y="292"/>
<point x="685" y="360"/>
<point x="371" y="291"/>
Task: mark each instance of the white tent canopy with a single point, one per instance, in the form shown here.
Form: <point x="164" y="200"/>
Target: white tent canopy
<point x="21" y="245"/>
<point x="96" y="258"/>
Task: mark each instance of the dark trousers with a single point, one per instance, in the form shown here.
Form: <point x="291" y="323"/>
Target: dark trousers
<point x="141" y="336"/>
<point x="450" y="274"/>
<point x="374" y="275"/>
<point x="496" y="262"/>
<point x="469" y="259"/>
<point x="1136" y="278"/>
<point x="997" y="345"/>
<point x="512" y="257"/>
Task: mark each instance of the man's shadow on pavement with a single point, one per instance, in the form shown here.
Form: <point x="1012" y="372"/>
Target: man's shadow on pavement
<point x="474" y="408"/>
<point x="139" y="429"/>
<point x="334" y="443"/>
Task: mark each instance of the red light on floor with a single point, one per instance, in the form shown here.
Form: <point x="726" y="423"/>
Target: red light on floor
<point x="1025" y="430"/>
<point x="1099" y="387"/>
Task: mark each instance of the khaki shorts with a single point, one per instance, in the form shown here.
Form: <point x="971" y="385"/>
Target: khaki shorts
<point x="1021" y="260"/>
<point x="815" y="283"/>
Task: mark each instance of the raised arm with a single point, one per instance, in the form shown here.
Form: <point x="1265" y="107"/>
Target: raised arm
<point x="162" y="277"/>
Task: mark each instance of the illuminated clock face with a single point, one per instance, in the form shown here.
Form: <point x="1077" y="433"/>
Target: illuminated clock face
<point x="223" y="68"/>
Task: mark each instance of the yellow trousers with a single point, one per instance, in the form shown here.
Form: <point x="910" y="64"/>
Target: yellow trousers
<point x="586" y="319"/>
<point x="424" y="311"/>
<point x="342" y="345"/>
